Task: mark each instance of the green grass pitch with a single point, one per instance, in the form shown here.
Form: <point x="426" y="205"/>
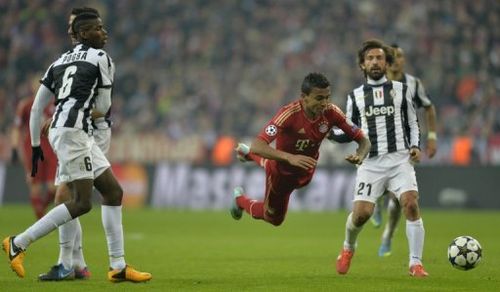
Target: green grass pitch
<point x="208" y="251"/>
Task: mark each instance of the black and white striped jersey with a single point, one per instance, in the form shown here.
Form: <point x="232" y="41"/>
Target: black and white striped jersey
<point x="74" y="79"/>
<point x="420" y="97"/>
<point x="385" y="112"/>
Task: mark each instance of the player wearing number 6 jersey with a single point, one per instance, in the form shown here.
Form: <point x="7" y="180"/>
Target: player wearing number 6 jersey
<point x="384" y="109"/>
<point x="81" y="80"/>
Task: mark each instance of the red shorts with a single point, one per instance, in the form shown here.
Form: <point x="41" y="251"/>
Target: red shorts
<point x="279" y="187"/>
<point x="47" y="168"/>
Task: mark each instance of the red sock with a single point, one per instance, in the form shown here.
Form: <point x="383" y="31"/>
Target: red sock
<point x="253" y="207"/>
<point x="38" y="207"/>
<point x="49" y="198"/>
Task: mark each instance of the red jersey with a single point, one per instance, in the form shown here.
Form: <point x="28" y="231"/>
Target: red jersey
<point x="46" y="169"/>
<point x="23" y="113"/>
<point x="295" y="133"/>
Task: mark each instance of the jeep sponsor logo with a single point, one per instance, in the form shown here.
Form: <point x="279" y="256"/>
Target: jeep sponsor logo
<point x="379" y="111"/>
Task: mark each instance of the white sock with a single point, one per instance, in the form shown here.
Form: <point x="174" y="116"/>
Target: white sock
<point x="78" y="259"/>
<point x="415" y="233"/>
<point x="53" y="219"/>
<point x="112" y="222"/>
<point x="394" y="212"/>
<point x="351" y="233"/>
<point x="67" y="233"/>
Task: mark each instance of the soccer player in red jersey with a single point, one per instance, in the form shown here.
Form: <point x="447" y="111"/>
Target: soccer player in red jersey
<point x="298" y="129"/>
<point x="21" y="142"/>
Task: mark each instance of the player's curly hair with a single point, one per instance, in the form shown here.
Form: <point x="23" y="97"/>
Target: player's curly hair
<point x="312" y="80"/>
<point x="375" y="44"/>
<point x="81" y="21"/>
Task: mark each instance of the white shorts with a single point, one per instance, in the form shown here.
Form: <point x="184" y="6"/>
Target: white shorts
<point x="78" y="155"/>
<point x="393" y="172"/>
<point x="102" y="138"/>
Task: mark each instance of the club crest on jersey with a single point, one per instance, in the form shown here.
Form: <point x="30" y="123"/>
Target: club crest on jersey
<point x="323" y="127"/>
<point x="392" y="93"/>
<point x="271" y="130"/>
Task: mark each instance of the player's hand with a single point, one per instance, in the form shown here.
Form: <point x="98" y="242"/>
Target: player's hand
<point x="46" y="127"/>
<point x="431" y="148"/>
<point x="415" y="155"/>
<point x="302" y="161"/>
<point x="354" y="158"/>
<point x="36" y="154"/>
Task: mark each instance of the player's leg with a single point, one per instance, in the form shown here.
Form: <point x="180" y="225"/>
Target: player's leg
<point x="394" y="213"/>
<point x="16" y="245"/>
<point x="369" y="186"/>
<point x="111" y="212"/>
<point x="34" y="183"/>
<point x="241" y="202"/>
<point x="69" y="238"/>
<point x="415" y="232"/>
<point x="376" y="218"/>
<point x="47" y="172"/>
<point x="37" y="202"/>
<point x="73" y="152"/>
<point x="405" y="180"/>
<point x="50" y="193"/>
<point x="275" y="204"/>
<point x="361" y="212"/>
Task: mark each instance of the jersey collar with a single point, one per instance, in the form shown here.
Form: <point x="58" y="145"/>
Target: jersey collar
<point x="372" y="82"/>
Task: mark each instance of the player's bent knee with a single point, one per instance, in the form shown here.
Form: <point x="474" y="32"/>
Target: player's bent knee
<point x="84" y="207"/>
<point x="360" y="219"/>
<point x="274" y="220"/>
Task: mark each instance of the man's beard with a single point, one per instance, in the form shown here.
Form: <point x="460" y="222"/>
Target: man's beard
<point x="375" y="75"/>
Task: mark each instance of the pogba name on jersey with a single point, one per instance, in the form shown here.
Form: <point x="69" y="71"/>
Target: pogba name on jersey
<point x="380" y="110"/>
<point x="76" y="56"/>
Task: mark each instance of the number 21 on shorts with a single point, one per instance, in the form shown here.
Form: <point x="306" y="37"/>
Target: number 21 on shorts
<point x="364" y="189"/>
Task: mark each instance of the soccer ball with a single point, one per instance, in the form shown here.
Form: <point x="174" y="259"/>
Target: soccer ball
<point x="464" y="253"/>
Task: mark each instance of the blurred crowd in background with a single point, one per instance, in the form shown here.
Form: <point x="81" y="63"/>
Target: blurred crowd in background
<point x="218" y="70"/>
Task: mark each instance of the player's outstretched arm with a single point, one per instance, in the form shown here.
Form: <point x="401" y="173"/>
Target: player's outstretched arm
<point x="364" y="146"/>
<point x="261" y="148"/>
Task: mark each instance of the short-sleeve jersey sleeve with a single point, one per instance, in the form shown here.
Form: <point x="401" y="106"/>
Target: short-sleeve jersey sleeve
<point x="106" y="70"/>
<point x="48" y="79"/>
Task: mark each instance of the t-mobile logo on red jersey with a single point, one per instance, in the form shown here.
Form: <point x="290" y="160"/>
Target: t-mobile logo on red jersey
<point x="379" y="110"/>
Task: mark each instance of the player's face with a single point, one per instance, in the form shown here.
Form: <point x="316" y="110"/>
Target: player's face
<point x="399" y="60"/>
<point x="375" y="64"/>
<point x="317" y="100"/>
<point x="70" y="31"/>
<point x="96" y="36"/>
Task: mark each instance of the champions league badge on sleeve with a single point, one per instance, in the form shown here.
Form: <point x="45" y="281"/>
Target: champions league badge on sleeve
<point x="271" y="130"/>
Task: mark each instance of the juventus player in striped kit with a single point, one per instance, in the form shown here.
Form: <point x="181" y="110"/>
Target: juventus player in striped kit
<point x="384" y="110"/>
<point x="79" y="79"/>
<point x="421" y="100"/>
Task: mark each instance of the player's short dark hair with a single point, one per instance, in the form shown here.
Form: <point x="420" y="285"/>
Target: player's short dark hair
<point x="82" y="20"/>
<point x="85" y="9"/>
<point x="312" y="80"/>
<point x="375" y="44"/>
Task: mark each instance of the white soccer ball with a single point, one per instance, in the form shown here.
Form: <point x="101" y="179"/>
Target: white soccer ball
<point x="464" y="253"/>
